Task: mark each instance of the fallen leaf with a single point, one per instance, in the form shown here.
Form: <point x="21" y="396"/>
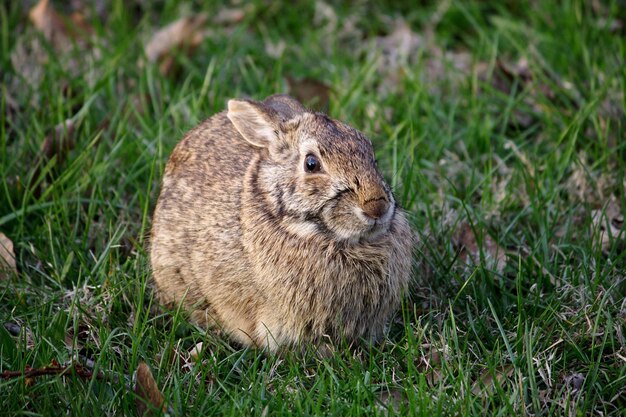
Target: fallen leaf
<point x="611" y="25"/>
<point x="485" y="385"/>
<point x="401" y="44"/>
<point x="397" y="51"/>
<point x="475" y="249"/>
<point x="403" y="49"/>
<point x="605" y="19"/>
<point x="345" y="30"/>
<point x="587" y="185"/>
<point x="8" y="267"/>
<point x="309" y="91"/>
<point x="149" y="399"/>
<point x="518" y="71"/>
<point x="59" y="30"/>
<point x="325" y="16"/>
<point x="577" y="184"/>
<point x="185" y="34"/>
<point x="275" y="49"/>
<point x="231" y="16"/>
<point x="65" y="34"/>
<point x="46" y="19"/>
<point x="196" y="351"/>
<point x="607" y="224"/>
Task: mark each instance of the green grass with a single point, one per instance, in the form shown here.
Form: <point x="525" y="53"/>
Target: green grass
<point x="523" y="156"/>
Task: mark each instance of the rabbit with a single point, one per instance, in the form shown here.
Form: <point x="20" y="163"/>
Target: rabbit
<point x="274" y="224"/>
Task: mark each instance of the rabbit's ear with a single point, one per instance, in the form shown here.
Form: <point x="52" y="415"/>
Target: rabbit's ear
<point x="286" y="106"/>
<point x="258" y="124"/>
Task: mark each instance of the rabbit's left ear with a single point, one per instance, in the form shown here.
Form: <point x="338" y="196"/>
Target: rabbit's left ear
<point x="257" y="123"/>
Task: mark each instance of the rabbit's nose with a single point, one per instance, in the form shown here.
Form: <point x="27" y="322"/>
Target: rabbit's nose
<point x="376" y="207"/>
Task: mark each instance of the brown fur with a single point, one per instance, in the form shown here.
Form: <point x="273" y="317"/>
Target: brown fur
<point x="250" y="241"/>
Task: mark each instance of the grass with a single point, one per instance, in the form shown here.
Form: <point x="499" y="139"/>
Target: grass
<point x="510" y="146"/>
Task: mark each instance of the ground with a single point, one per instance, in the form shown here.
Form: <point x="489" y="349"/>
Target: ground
<point x="500" y="126"/>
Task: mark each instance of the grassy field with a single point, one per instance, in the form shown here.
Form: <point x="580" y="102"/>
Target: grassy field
<point x="500" y="125"/>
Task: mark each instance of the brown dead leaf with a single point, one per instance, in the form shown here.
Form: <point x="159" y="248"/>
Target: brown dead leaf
<point x="345" y="30"/>
<point x="149" y="399"/>
<point x="587" y="185"/>
<point x="471" y="250"/>
<point x="8" y="267"/>
<point x="65" y="34"/>
<point x="325" y="15"/>
<point x="513" y="71"/>
<point x="577" y="184"/>
<point x="59" y="30"/>
<point x="310" y="91"/>
<point x="397" y="51"/>
<point x="607" y="224"/>
<point x="185" y="34"/>
<point x="196" y="352"/>
<point x="400" y="44"/>
<point x="605" y="21"/>
<point x="403" y="49"/>
<point x="275" y="49"/>
<point x="231" y="16"/>
<point x="485" y="385"/>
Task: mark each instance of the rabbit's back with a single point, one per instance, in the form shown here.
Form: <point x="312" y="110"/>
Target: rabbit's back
<point x="196" y="234"/>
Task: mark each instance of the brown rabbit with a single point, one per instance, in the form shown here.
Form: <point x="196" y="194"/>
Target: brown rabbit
<point x="274" y="223"/>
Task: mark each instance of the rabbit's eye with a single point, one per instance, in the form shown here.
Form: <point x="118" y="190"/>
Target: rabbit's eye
<point x="312" y="164"/>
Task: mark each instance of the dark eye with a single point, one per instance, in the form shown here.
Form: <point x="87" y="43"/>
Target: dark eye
<point x="312" y="164"/>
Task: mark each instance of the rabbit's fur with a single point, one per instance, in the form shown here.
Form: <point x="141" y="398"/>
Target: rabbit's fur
<point x="250" y="241"/>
